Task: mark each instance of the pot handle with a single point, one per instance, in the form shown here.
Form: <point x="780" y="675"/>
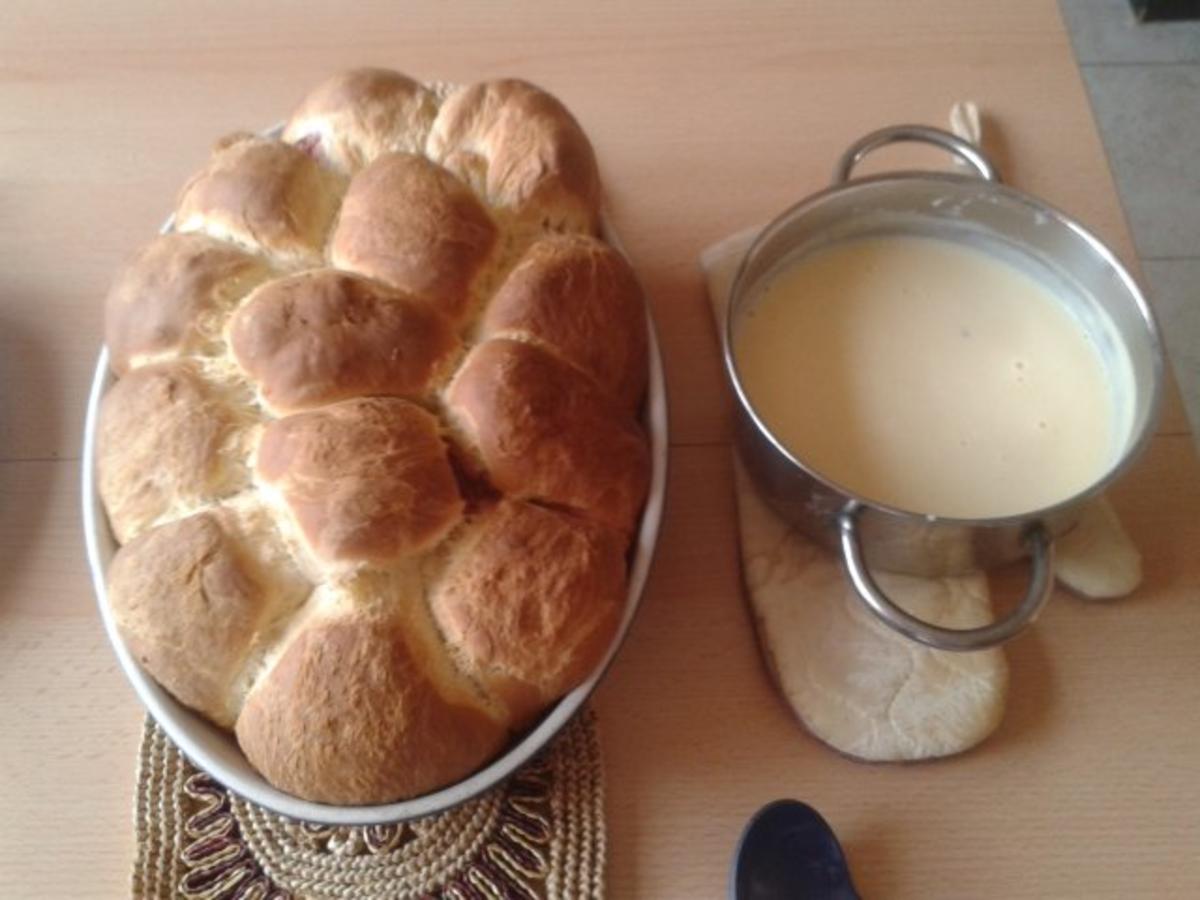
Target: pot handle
<point x="919" y="134"/>
<point x="1041" y="583"/>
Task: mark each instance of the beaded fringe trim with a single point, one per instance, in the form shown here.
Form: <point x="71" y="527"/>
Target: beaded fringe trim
<point x="538" y="836"/>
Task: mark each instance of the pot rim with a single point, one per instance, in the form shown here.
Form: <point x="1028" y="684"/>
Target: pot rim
<point x="1129" y="455"/>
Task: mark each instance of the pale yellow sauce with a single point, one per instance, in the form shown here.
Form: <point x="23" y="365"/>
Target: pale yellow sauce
<point x="929" y="376"/>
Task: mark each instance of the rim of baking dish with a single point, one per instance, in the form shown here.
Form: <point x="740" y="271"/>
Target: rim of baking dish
<point x="215" y="750"/>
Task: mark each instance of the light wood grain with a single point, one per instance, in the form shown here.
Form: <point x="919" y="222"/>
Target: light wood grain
<point x="1090" y="788"/>
<point x="707" y="117"/>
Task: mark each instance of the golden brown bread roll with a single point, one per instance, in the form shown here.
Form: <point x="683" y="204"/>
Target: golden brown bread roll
<point x="414" y="225"/>
<point x="264" y="195"/>
<point x="367" y="480"/>
<point x="579" y="298"/>
<point x="190" y="605"/>
<point x="322" y="336"/>
<point x="166" y="444"/>
<point x="374" y="511"/>
<point x="350" y="714"/>
<point x="349" y="120"/>
<point x="551" y="580"/>
<point x="525" y="153"/>
<point x="173" y="296"/>
<point x="544" y="431"/>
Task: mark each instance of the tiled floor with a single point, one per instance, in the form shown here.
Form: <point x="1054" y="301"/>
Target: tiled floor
<point x="1144" y="82"/>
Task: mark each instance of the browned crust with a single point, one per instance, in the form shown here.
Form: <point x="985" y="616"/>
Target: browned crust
<point x="173" y="296"/>
<point x="188" y="609"/>
<point x="353" y="117"/>
<point x="366" y="480"/>
<point x="530" y="601"/>
<point x="524" y="149"/>
<point x="580" y="298"/>
<point x="323" y="336"/>
<point x="350" y="715"/>
<point x="412" y="224"/>
<point x="546" y="432"/>
<point x="163" y="445"/>
<point x="262" y="194"/>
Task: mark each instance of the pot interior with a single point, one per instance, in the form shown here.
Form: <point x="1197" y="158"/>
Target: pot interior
<point x="1074" y="267"/>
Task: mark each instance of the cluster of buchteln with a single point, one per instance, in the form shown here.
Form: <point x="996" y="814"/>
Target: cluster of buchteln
<point x="373" y="454"/>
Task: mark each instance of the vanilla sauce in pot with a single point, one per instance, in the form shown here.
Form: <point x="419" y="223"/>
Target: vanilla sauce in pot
<point x="930" y="375"/>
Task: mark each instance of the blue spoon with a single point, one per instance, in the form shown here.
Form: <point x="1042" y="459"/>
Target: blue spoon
<point x="788" y="852"/>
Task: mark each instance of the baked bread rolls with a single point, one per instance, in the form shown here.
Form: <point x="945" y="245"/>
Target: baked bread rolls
<point x="372" y="456"/>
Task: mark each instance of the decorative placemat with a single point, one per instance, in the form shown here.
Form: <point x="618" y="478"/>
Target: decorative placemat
<point x="538" y="836"/>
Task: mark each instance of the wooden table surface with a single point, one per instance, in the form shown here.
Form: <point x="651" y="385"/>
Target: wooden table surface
<point x="706" y="117"/>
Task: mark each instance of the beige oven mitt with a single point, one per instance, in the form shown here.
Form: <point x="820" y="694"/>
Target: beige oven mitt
<point x="856" y="685"/>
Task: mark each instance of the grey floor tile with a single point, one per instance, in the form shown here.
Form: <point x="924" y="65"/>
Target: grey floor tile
<point x="1105" y="31"/>
<point x="1174" y="287"/>
<point x="1149" y="118"/>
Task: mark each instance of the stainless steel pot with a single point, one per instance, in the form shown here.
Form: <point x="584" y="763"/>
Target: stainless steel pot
<point x="979" y="210"/>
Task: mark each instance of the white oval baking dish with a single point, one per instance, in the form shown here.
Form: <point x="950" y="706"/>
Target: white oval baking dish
<point x="215" y="750"/>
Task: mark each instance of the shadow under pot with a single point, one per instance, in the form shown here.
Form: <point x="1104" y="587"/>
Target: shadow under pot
<point x="934" y="373"/>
